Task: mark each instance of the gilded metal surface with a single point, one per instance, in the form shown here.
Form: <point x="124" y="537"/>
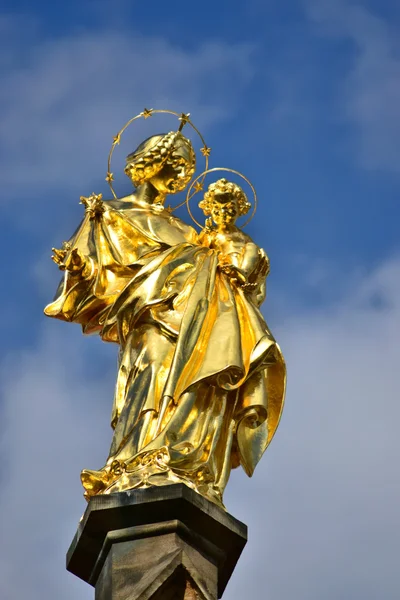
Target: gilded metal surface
<point x="201" y="380"/>
<point x="184" y="118"/>
<point x="197" y="186"/>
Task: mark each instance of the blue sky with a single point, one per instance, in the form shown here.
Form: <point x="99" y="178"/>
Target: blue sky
<point x="303" y="97"/>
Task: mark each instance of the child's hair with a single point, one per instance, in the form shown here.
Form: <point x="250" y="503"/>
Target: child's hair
<point x="223" y="186"/>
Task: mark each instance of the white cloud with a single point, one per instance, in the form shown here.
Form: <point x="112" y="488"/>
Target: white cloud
<point x="322" y="508"/>
<point x="53" y="425"/>
<point x="63" y="99"/>
<point x="370" y="96"/>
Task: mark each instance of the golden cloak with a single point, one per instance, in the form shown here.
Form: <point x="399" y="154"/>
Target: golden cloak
<point x="115" y="244"/>
<point x="221" y="339"/>
<point x="146" y="268"/>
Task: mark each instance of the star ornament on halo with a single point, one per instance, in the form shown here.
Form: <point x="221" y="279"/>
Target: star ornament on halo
<point x="110" y="177"/>
<point x="147" y="112"/>
<point x="198" y="186"/>
<point x="206" y="151"/>
<point x="117" y="139"/>
<point x="184" y="118"/>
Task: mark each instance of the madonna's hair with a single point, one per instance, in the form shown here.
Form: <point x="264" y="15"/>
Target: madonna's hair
<point x="157" y="151"/>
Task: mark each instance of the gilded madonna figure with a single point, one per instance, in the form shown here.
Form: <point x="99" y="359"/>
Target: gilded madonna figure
<point x="201" y="380"/>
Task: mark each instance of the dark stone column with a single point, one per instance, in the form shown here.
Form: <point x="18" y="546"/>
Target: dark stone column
<point x="159" y="543"/>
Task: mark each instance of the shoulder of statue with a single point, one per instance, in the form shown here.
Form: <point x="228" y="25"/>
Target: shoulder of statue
<point x="247" y="239"/>
<point x="121" y="203"/>
<point x="179" y="222"/>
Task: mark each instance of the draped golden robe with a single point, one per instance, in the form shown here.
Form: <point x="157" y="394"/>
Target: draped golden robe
<point x="186" y="333"/>
<point x="115" y="245"/>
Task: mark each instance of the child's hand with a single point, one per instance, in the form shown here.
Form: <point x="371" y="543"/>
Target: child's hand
<point x="234" y="274"/>
<point x="208" y="225"/>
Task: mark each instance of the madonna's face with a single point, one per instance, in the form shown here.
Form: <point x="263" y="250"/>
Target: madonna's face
<point x="171" y="178"/>
<point x="168" y="168"/>
<point x="225" y="209"/>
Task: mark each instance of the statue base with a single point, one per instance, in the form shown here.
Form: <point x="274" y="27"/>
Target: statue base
<point x="159" y="543"/>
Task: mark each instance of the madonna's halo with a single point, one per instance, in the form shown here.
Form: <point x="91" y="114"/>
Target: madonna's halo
<point x="145" y="114"/>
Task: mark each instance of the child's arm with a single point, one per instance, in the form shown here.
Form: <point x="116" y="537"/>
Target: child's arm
<point x="250" y="258"/>
<point x="256" y="283"/>
<point x="240" y="265"/>
<point x="206" y="236"/>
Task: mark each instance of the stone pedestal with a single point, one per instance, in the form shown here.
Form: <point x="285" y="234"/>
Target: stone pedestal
<point x="159" y="543"/>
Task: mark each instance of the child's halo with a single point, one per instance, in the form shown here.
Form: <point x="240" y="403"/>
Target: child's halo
<point x="199" y="188"/>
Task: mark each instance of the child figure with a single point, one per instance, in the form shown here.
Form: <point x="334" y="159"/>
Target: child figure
<point x="240" y="258"/>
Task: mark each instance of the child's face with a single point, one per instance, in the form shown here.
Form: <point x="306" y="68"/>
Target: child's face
<point x="225" y="209"/>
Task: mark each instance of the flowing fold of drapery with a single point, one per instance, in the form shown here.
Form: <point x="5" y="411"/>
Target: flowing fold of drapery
<point x="221" y="339"/>
<point x="116" y="244"/>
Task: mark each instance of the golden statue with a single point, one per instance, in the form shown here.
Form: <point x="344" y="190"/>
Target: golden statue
<point x="201" y="380"/>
